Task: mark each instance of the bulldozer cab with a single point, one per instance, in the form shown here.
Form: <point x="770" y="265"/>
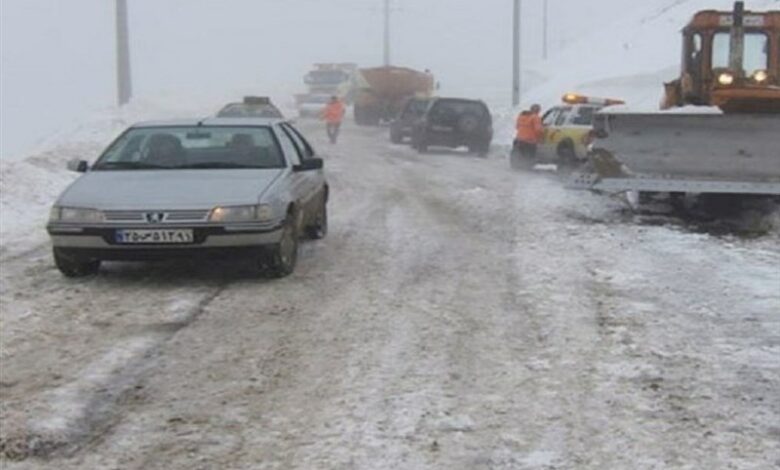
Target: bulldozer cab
<point x="731" y="60"/>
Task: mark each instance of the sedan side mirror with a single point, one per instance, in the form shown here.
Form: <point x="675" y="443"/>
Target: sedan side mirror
<point x="79" y="166"/>
<point x="309" y="164"/>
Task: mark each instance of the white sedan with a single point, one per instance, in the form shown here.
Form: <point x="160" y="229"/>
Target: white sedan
<point x="220" y="186"/>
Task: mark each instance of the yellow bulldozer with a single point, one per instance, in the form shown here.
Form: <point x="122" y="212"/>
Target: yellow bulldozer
<point x="719" y="127"/>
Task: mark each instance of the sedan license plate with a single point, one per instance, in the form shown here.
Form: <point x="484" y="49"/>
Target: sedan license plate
<point x="154" y="237"/>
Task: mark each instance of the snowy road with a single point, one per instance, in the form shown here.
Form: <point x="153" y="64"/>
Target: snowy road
<point x="458" y="316"/>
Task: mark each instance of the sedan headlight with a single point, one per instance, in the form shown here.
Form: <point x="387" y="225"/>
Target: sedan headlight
<point x="726" y="78"/>
<point x="254" y="213"/>
<point x="760" y="76"/>
<point x="73" y="215"/>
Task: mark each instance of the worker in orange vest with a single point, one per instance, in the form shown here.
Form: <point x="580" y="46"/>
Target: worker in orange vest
<point x="530" y="133"/>
<point x="333" y="114"/>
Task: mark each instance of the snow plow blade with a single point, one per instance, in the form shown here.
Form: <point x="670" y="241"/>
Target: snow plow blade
<point x="696" y="153"/>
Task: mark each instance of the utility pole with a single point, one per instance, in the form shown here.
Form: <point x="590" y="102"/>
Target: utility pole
<point x="545" y="22"/>
<point x="516" y="52"/>
<point x="387" y="33"/>
<point x="123" y="75"/>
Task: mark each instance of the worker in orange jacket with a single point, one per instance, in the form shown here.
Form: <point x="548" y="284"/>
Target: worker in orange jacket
<point x="333" y="114"/>
<point x="530" y="133"/>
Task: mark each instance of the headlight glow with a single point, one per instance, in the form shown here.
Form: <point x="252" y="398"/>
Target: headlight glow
<point x="71" y="215"/>
<point x="760" y="76"/>
<point x="254" y="213"/>
<point x="726" y="79"/>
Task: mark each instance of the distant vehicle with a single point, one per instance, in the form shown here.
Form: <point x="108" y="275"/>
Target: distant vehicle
<point x="568" y="130"/>
<point x="383" y="91"/>
<point x="403" y="125"/>
<point x="333" y="79"/>
<point x="252" y="106"/>
<point x="182" y="189"/>
<point x="311" y="105"/>
<point x="454" y="122"/>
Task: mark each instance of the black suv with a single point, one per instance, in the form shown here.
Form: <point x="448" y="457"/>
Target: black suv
<point x="454" y="122"/>
<point x="403" y="125"/>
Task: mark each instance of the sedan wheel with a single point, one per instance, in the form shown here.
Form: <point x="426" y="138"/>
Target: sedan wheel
<point x="422" y="146"/>
<point x="284" y="256"/>
<point x="319" y="229"/>
<point x="71" y="266"/>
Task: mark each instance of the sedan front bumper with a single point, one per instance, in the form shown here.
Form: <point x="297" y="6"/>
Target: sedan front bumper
<point x="100" y="243"/>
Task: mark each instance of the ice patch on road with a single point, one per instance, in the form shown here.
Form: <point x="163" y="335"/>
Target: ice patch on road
<point x="540" y="458"/>
<point x="458" y="423"/>
<point x="473" y="191"/>
<point x="182" y="308"/>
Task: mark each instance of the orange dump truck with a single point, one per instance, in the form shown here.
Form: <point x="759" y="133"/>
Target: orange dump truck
<point x="382" y="92"/>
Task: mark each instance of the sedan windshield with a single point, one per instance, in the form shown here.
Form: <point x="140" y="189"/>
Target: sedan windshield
<point x="196" y="147"/>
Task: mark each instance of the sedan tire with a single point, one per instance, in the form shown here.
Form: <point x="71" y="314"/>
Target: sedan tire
<point x="71" y="266"/>
<point x="282" y="258"/>
<point x="421" y="145"/>
<point x="319" y="229"/>
<point x="567" y="157"/>
<point x="395" y="137"/>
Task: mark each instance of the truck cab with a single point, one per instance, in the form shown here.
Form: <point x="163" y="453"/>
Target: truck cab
<point x="332" y="79"/>
<point x="730" y="60"/>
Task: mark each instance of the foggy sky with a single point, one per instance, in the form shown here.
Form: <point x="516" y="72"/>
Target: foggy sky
<point x="58" y="55"/>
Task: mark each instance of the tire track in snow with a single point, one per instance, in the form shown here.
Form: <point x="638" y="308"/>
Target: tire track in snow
<point x="66" y="417"/>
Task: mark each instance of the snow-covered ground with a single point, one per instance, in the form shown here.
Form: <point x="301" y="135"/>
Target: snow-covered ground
<point x="458" y="315"/>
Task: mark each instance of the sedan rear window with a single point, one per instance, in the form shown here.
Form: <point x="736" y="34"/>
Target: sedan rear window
<point x="239" y="110"/>
<point x="196" y="147"/>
